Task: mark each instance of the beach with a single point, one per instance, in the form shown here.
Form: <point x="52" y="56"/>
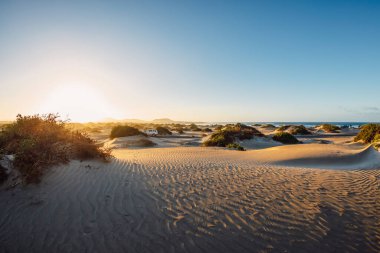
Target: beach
<point x="197" y="199"/>
<point x="189" y="126"/>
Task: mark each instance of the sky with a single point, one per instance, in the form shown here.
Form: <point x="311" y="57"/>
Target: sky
<point x="191" y="60"/>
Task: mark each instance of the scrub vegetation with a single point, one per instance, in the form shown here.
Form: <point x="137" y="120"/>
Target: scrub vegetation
<point x="41" y="141"/>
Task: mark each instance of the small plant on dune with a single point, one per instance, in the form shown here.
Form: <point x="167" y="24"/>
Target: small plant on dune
<point x="218" y="127"/>
<point x="39" y="142"/>
<point x="124" y="131"/>
<point x="369" y="133"/>
<point x="208" y="130"/>
<point x="283" y="128"/>
<point x="219" y="139"/>
<point x="179" y="130"/>
<point x="301" y="129"/>
<point x="163" y="131"/>
<point x="146" y="143"/>
<point x="235" y="146"/>
<point x="230" y="133"/>
<point x="3" y="174"/>
<point x="194" y="127"/>
<point x="330" y="128"/>
<point x="376" y="141"/>
<point x="285" y="138"/>
<point x="294" y="129"/>
<point x="266" y="126"/>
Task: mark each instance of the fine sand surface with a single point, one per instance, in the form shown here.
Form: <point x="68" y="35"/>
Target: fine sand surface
<point x="192" y="199"/>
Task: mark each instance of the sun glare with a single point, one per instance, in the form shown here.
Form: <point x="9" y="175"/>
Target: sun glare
<point x="80" y="103"/>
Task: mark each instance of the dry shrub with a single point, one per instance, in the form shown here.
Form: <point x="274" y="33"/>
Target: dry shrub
<point x="369" y="133"/>
<point x="230" y="133"/>
<point x="285" y="138"/>
<point x="41" y="141"/>
<point x="124" y="131"/>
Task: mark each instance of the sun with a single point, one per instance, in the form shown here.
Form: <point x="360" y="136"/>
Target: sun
<point x="78" y="102"/>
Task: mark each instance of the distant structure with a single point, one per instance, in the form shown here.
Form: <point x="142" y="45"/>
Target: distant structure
<point x="151" y="132"/>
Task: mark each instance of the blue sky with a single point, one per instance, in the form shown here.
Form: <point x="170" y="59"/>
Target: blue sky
<point x="192" y="60"/>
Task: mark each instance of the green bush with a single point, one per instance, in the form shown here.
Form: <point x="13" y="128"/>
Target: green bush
<point x="206" y="130"/>
<point x="194" y="127"/>
<point x="376" y="141"/>
<point x="330" y="128"/>
<point x="376" y="138"/>
<point x="285" y="138"/>
<point x="3" y="174"/>
<point x="230" y="133"/>
<point x="219" y="139"/>
<point x="163" y="131"/>
<point x="124" y="131"/>
<point x="39" y="142"/>
<point x="267" y="126"/>
<point x="301" y="129"/>
<point x="179" y="130"/>
<point x="146" y="143"/>
<point x="283" y="128"/>
<point x="294" y="129"/>
<point x="218" y="127"/>
<point x="368" y="133"/>
<point x="235" y="146"/>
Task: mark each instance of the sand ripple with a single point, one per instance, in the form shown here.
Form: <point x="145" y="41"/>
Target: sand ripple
<point x="193" y="200"/>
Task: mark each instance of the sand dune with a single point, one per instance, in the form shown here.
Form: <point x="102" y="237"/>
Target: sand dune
<point x="193" y="200"/>
<point x="328" y="156"/>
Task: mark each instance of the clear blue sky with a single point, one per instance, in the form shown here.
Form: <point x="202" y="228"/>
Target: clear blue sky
<point x="192" y="60"/>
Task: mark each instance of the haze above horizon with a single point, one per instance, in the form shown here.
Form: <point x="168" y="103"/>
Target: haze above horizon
<point x="211" y="61"/>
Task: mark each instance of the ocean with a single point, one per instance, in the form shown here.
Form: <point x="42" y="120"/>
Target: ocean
<point x="306" y="124"/>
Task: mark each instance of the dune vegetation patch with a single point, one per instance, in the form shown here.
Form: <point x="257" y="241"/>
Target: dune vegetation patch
<point x="141" y="143"/>
<point x="3" y="174"/>
<point x="283" y="128"/>
<point x="329" y="128"/>
<point x="207" y="130"/>
<point x="231" y="133"/>
<point x="194" y="127"/>
<point x="124" y="131"/>
<point x="163" y="131"/>
<point x="179" y="130"/>
<point x="266" y="125"/>
<point x="285" y="138"/>
<point x="236" y="146"/>
<point x="41" y="141"/>
<point x="369" y="133"/>
<point x="295" y="130"/>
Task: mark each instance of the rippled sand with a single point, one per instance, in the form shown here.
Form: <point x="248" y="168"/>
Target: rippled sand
<point x="193" y="200"/>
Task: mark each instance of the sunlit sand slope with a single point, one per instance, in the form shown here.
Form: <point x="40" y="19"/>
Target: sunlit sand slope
<point x="193" y="200"/>
<point x="328" y="156"/>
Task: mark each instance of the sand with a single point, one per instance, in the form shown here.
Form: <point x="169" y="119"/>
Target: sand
<point x="193" y="199"/>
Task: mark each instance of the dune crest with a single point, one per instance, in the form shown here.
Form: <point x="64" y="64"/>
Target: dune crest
<point x="326" y="156"/>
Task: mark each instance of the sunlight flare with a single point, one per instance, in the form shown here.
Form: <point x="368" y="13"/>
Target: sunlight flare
<point x="78" y="102"/>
